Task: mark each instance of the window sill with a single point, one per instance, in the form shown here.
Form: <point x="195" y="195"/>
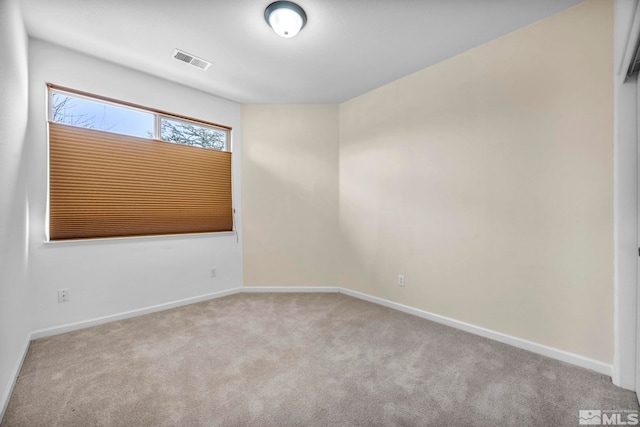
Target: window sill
<point x="129" y="239"/>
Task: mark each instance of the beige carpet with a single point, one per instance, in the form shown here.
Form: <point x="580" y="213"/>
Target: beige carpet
<point x="295" y="360"/>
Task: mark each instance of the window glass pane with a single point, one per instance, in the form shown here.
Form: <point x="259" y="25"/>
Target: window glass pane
<point x="192" y="134"/>
<point x="81" y="112"/>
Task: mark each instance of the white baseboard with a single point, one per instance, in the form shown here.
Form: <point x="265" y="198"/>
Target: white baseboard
<point x="61" y="329"/>
<point x="6" y="395"/>
<point x="291" y="289"/>
<point x="554" y="353"/>
<point x="47" y="332"/>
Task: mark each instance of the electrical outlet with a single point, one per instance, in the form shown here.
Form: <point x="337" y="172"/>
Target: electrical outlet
<point x="213" y="272"/>
<point x="400" y="279"/>
<point x="63" y="295"/>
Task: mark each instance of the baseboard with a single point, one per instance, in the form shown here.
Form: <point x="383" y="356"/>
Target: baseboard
<point x="6" y="395"/>
<point x="42" y="333"/>
<point x="554" y="353"/>
<point x="291" y="289"/>
<point x="61" y="329"/>
<point x="56" y="330"/>
<point x="574" y="359"/>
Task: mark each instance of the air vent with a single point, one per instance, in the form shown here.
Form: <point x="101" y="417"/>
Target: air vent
<point x="190" y="59"/>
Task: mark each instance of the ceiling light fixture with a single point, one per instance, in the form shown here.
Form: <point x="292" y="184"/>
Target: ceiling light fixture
<point x="286" y="18"/>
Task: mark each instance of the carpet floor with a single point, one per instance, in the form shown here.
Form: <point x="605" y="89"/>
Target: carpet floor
<point x="296" y="360"/>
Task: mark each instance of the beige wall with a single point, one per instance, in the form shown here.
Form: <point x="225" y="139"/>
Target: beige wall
<point x="487" y="181"/>
<point x="290" y="194"/>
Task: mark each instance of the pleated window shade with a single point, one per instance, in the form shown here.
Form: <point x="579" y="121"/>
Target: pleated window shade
<point x="103" y="184"/>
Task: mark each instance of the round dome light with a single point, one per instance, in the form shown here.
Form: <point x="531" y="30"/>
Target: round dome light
<point x="286" y="18"/>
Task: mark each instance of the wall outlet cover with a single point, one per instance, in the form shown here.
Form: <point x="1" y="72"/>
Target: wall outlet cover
<point x="63" y="295"/>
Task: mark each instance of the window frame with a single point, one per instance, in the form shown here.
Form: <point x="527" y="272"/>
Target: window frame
<point x="157" y="115"/>
<point x="158" y="130"/>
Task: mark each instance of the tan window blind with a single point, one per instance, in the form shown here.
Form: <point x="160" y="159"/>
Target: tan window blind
<point x="103" y="184"/>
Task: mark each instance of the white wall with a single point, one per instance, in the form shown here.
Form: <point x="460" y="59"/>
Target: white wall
<point x="625" y="202"/>
<point x="14" y="318"/>
<point x="108" y="277"/>
<point x="290" y="197"/>
<point x="487" y="179"/>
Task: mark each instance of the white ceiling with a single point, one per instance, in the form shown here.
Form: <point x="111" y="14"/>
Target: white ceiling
<point x="348" y="47"/>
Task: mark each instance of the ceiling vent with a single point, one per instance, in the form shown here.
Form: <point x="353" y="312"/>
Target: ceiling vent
<point x="190" y="59"/>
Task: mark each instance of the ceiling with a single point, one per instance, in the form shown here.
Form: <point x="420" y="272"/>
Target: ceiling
<point x="347" y="48"/>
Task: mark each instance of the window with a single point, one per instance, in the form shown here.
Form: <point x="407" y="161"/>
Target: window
<point x="186" y="133"/>
<point x="93" y="114"/>
<point x="116" y="170"/>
